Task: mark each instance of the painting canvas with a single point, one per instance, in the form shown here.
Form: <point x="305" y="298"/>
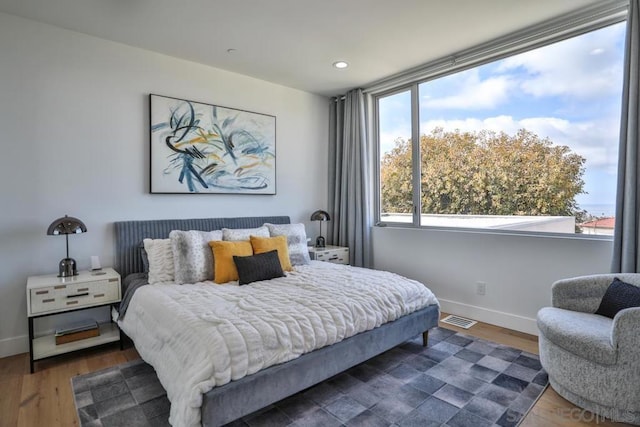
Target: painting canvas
<point x="203" y="148"/>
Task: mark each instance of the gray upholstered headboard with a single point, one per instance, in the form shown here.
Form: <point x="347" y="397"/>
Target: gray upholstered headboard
<point x="129" y="234"/>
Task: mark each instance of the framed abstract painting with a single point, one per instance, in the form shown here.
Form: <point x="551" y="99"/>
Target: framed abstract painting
<point x="204" y="148"/>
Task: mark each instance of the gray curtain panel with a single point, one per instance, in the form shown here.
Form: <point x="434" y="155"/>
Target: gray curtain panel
<point x="626" y="243"/>
<point x="349" y="178"/>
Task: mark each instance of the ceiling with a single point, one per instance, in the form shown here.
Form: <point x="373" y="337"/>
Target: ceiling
<point x="295" y="42"/>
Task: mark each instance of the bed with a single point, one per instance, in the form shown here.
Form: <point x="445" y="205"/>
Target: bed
<point x="234" y="398"/>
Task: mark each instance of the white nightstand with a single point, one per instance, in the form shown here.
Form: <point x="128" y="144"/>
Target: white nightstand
<point x="335" y="254"/>
<point x="50" y="295"/>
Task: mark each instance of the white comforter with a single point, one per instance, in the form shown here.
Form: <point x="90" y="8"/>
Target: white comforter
<point x="204" y="335"/>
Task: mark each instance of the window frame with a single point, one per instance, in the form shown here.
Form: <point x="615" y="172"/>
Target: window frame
<point x="556" y="30"/>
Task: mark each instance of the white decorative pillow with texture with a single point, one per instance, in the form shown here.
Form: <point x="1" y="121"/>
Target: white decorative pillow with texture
<point x="160" y="258"/>
<point x="296" y="241"/>
<point x="192" y="256"/>
<point x="236" y="234"/>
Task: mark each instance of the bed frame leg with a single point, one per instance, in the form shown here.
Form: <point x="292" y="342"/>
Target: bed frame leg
<point x="425" y="338"/>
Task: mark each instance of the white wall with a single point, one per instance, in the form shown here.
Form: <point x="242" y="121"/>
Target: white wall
<point x="517" y="269"/>
<point x="74" y="140"/>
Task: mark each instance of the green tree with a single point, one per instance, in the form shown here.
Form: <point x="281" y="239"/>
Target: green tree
<point x="484" y="173"/>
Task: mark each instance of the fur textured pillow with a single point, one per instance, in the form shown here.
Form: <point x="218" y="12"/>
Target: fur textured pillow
<point x="235" y="234"/>
<point x="160" y="258"/>
<point x="192" y="256"/>
<point x="296" y="241"/>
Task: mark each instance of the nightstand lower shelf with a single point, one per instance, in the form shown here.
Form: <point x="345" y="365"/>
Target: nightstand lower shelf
<point x="45" y="346"/>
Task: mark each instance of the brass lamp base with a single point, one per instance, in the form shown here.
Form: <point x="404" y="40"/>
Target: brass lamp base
<point x="67" y="268"/>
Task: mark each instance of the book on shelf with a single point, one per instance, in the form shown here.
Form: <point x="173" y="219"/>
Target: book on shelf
<point x="79" y="326"/>
<point x="77" y="336"/>
<point x="77" y="331"/>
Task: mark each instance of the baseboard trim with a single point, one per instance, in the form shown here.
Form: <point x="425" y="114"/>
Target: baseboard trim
<point x="14" y="345"/>
<point x="493" y="317"/>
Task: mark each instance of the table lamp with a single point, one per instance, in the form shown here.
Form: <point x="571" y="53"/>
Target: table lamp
<point x="321" y="216"/>
<point x="67" y="225"/>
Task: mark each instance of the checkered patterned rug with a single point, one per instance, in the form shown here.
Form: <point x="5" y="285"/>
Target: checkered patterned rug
<point x="458" y="380"/>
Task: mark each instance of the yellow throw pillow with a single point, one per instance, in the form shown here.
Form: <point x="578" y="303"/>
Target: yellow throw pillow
<point x="224" y="269"/>
<point x="265" y="244"/>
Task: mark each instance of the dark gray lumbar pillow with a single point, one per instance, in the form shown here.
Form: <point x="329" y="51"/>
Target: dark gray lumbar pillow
<point x="619" y="295"/>
<point x="253" y="268"/>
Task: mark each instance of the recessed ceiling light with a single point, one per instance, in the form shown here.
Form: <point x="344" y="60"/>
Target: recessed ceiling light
<point x="340" y="64"/>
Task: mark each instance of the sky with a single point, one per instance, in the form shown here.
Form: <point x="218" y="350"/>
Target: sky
<point x="569" y="92"/>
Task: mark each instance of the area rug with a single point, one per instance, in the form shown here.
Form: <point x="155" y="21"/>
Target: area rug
<point x="458" y="380"/>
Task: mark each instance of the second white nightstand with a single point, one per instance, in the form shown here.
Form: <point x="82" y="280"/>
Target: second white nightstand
<point x="335" y="254"/>
<point x="49" y="295"/>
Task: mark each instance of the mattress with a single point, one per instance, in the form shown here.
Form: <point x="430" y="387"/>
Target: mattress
<point x="202" y="335"/>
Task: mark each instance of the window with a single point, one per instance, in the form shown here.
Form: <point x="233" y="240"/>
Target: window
<point x="396" y="162"/>
<point x="528" y="142"/>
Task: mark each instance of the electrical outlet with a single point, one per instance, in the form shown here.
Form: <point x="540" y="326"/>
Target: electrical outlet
<point x="481" y="288"/>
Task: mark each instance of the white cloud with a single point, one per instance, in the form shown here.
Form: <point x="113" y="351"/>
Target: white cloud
<point x="470" y="92"/>
<point x="597" y="141"/>
<point x="584" y="67"/>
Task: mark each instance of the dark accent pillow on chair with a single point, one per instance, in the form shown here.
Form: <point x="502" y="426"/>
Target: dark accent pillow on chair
<point x="619" y="295"/>
<point x="263" y="266"/>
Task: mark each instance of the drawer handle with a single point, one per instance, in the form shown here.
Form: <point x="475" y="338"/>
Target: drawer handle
<point x="49" y="300"/>
<point x="115" y="279"/>
<point x="78" y="295"/>
<point x="72" y="302"/>
<point x="333" y="257"/>
<point x="98" y="295"/>
<point x="60" y="287"/>
<point x="41" y="292"/>
<point x="83" y="289"/>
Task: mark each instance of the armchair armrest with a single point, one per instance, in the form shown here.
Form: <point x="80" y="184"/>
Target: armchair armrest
<point x="624" y="335"/>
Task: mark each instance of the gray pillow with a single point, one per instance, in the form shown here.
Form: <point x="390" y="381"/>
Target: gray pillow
<point x="296" y="241"/>
<point x="192" y="256"/>
<point x="236" y="234"/>
<point x="145" y="258"/>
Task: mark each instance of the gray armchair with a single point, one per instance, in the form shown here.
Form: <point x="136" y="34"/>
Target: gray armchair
<point x="592" y="361"/>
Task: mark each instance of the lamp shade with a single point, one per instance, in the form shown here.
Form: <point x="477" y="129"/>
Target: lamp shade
<point x="66" y="225"/>
<point x="320" y="215"/>
<point x="63" y="227"/>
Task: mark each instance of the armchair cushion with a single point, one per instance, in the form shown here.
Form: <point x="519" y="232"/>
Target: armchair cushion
<point x="619" y="295"/>
<point x="582" y="334"/>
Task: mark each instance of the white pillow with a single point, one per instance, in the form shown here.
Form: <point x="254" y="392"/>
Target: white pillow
<point x="236" y="234"/>
<point x="192" y="256"/>
<point x="296" y="241"/>
<point x="160" y="258"/>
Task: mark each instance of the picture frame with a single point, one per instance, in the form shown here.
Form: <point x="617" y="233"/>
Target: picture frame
<point x="199" y="148"/>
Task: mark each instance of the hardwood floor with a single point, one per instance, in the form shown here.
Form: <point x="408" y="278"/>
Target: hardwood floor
<point x="44" y="398"/>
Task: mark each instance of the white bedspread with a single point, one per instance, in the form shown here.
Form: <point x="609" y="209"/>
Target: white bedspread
<point x="204" y="335"/>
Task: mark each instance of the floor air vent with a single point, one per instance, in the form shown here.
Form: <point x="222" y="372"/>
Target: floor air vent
<point x="458" y="321"/>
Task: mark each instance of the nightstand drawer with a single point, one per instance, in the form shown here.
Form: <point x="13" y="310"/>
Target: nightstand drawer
<point x="45" y="299"/>
<point x="338" y="256"/>
<point x="74" y="295"/>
